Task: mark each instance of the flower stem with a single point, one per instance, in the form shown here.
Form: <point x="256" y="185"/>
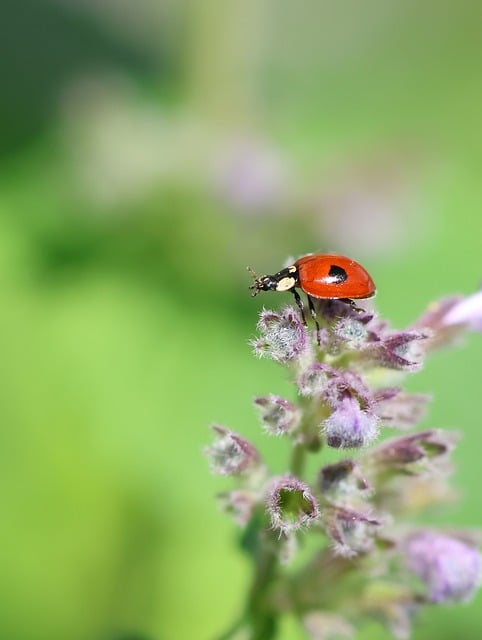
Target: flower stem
<point x="259" y="620"/>
<point x="262" y="618"/>
<point x="298" y="460"/>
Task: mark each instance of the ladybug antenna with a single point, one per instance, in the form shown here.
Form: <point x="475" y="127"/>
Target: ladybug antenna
<point x="254" y="286"/>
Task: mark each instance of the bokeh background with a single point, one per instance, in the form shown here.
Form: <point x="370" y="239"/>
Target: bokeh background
<point x="149" y="151"/>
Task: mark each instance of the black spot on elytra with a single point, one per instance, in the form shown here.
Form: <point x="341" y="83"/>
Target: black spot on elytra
<point x="337" y="275"/>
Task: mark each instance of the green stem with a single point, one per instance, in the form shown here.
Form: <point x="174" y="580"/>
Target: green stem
<point x="311" y="441"/>
<point x="262" y="617"/>
<point x="259" y="621"/>
<point x="298" y="458"/>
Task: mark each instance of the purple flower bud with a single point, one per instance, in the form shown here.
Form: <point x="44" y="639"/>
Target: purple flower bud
<point x="414" y="453"/>
<point x="433" y="322"/>
<point x="333" y="475"/>
<point x="230" y="454"/>
<point x="400" y="350"/>
<point x="355" y="384"/>
<point x="278" y="416"/>
<point x="433" y="317"/>
<point x="350" y="426"/>
<point x="385" y="394"/>
<point x="447" y="319"/>
<point x="396" y="408"/>
<point x="342" y="481"/>
<point x="283" y="336"/>
<point x="291" y="504"/>
<point x="351" y="531"/>
<point x="313" y="380"/>
<point x="239" y="504"/>
<point x="450" y="569"/>
<point x="467" y="313"/>
<point x="343" y="383"/>
<point x="352" y="332"/>
<point x="332" y="385"/>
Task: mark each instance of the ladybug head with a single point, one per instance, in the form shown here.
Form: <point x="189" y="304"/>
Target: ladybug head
<point x="262" y="283"/>
<point x="282" y="281"/>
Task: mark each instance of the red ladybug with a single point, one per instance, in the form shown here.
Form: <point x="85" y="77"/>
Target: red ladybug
<point x="325" y="276"/>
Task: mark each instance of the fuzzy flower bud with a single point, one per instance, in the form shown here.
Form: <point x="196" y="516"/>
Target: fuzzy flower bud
<point x="351" y="332"/>
<point x="399" y="350"/>
<point x="351" y="531"/>
<point x="466" y="313"/>
<point x="447" y="319"/>
<point x="413" y="453"/>
<point x="239" y="504"/>
<point x="278" y="415"/>
<point x="352" y="423"/>
<point x="350" y="426"/>
<point x="230" y="454"/>
<point x="399" y="409"/>
<point x="450" y="569"/>
<point x="342" y="481"/>
<point x="291" y="504"/>
<point x="313" y="379"/>
<point x="283" y="336"/>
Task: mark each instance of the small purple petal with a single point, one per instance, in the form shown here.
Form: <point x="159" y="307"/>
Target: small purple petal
<point x="450" y="569"/>
<point x="332" y="385"/>
<point x="467" y="311"/>
<point x="433" y="318"/>
<point x="345" y="382"/>
<point x="399" y="351"/>
<point x="349" y="426"/>
<point x="239" y="504"/>
<point x="278" y="415"/>
<point x="401" y="410"/>
<point x="314" y="378"/>
<point x="334" y="474"/>
<point x="422" y="448"/>
<point x="231" y="454"/>
<point x="351" y="531"/>
<point x="385" y="394"/>
<point x="342" y="481"/>
<point x="449" y="318"/>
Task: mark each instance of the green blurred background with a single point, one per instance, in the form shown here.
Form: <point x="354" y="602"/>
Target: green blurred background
<point x="149" y="151"/>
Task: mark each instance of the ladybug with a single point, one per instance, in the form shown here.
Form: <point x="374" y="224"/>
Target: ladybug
<point x="324" y="276"/>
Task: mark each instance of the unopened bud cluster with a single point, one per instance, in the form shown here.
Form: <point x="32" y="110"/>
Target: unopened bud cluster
<point x="370" y="562"/>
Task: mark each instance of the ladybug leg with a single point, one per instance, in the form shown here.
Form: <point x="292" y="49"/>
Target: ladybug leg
<point x="352" y="304"/>
<point x="301" y="307"/>
<point x="313" y="315"/>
